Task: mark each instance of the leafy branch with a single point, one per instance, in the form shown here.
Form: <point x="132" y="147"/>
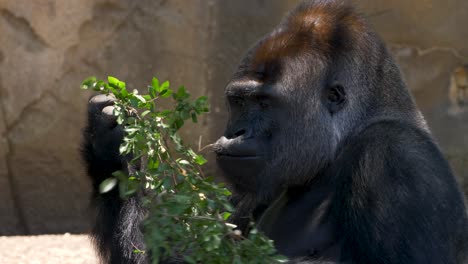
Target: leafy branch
<point x="188" y="214"/>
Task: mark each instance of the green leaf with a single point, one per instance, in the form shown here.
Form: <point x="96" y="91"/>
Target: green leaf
<point x="120" y="175"/>
<point x="138" y="251"/>
<point x="194" y="118"/>
<point x="152" y="92"/>
<point x="107" y="185"/>
<point x="116" y="83"/>
<point x="145" y="113"/>
<point x="184" y="162"/>
<point x="113" y="81"/>
<point x="177" y="123"/>
<point x="181" y="94"/>
<point x="190" y="260"/>
<point x="226" y="215"/>
<point x="131" y="130"/>
<point x="155" y="85"/>
<point x="184" y="114"/>
<point x="101" y="86"/>
<point x="200" y="160"/>
<point x="88" y="83"/>
<point x="134" y="102"/>
<point x="165" y="113"/>
<point x="123" y="92"/>
<point x="120" y="119"/>
<point x="132" y="187"/>
<point x="164" y="86"/>
<point x="166" y="93"/>
<point x="201" y="105"/>
<point x="124" y="148"/>
<point x="122" y="189"/>
<point x="140" y="98"/>
<point x="226" y="192"/>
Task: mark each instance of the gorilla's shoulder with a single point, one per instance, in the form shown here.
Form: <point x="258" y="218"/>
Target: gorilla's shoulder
<point x="398" y="150"/>
<point x="394" y="135"/>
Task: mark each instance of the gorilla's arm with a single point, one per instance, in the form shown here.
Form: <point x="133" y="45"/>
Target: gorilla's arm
<point x="396" y="198"/>
<point x="101" y="139"/>
<point x="116" y="231"/>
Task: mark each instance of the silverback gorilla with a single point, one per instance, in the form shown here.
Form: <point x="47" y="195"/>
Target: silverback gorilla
<point x="324" y="149"/>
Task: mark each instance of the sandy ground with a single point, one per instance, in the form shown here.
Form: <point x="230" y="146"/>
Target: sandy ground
<point x="53" y="249"/>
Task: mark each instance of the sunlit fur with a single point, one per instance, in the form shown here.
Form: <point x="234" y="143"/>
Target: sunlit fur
<point x="375" y="156"/>
<point x="361" y="181"/>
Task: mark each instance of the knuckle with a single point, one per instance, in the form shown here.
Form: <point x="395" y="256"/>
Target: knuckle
<point x="102" y="99"/>
<point x="108" y="110"/>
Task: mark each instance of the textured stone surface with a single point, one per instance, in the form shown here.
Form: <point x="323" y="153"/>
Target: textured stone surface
<point x="10" y="221"/>
<point x="47" y="47"/>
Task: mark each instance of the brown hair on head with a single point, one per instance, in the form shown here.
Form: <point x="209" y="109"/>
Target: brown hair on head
<point x="317" y="27"/>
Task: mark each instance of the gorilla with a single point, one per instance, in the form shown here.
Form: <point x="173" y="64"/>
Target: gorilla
<point x="324" y="149"/>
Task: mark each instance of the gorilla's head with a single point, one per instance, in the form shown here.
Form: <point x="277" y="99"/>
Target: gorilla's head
<point x="298" y="94"/>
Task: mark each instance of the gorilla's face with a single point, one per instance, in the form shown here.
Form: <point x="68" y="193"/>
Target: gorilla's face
<point x="252" y="131"/>
<point x="274" y="125"/>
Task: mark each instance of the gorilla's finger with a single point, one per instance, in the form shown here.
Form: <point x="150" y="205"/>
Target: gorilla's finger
<point x="102" y="99"/>
<point x="98" y="102"/>
<point x="108" y="119"/>
<point x="108" y="110"/>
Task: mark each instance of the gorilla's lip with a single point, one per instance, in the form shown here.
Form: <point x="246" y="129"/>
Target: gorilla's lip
<point x="237" y="148"/>
<point x="237" y="156"/>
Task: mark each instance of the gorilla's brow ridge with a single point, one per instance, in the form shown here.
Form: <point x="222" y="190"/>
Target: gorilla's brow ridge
<point x="243" y="87"/>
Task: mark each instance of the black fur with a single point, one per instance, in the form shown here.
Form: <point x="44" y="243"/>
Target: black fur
<point x="324" y="148"/>
<point x="116" y="232"/>
<point x="341" y="157"/>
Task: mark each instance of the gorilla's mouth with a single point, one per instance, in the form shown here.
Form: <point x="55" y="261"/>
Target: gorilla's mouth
<point x="241" y="170"/>
<point x="225" y="155"/>
<point x="240" y="158"/>
<point x="237" y="148"/>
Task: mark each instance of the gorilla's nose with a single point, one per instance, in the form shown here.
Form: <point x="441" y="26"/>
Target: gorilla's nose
<point x="240" y="132"/>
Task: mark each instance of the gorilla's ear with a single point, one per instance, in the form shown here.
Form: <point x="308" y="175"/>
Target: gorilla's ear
<point x="335" y="97"/>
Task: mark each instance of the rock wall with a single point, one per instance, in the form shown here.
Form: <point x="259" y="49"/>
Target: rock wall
<point x="47" y="47"/>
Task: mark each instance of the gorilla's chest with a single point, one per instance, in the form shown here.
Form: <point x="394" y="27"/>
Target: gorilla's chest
<point x="300" y="225"/>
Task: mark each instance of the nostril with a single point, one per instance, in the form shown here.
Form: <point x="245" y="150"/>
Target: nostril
<point x="239" y="133"/>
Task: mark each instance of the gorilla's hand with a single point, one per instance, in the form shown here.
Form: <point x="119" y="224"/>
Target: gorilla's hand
<point x="104" y="135"/>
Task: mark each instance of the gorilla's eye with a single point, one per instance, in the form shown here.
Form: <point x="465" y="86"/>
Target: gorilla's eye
<point x="333" y="96"/>
<point x="264" y="105"/>
<point x="263" y="101"/>
<point x="238" y="101"/>
<point x="336" y="94"/>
